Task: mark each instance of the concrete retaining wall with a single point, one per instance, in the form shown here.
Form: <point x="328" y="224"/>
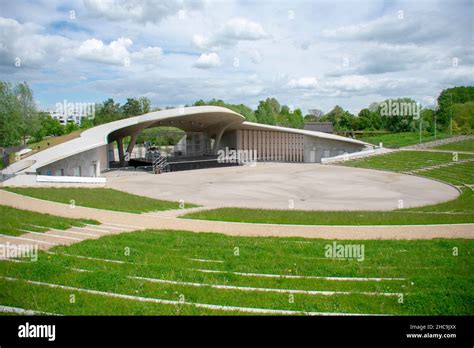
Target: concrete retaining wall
<point x="317" y="148"/>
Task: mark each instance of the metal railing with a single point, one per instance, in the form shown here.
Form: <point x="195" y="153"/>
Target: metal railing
<point x="160" y="164"/>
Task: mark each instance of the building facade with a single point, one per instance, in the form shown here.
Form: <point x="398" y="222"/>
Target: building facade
<point x="208" y="129"/>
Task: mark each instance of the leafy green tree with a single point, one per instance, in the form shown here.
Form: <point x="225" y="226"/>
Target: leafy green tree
<point x="314" y="115"/>
<point x="107" y="111"/>
<point x="428" y="119"/>
<point x="365" y="120"/>
<point x="132" y="107"/>
<point x="264" y="114"/>
<point x="292" y="119"/>
<point x="145" y="104"/>
<point x="71" y="127"/>
<point x="87" y="122"/>
<point x="242" y="109"/>
<point x="463" y="114"/>
<point x="341" y="119"/>
<point x="49" y="125"/>
<point x="369" y="120"/>
<point x="448" y="98"/>
<point x="29" y="117"/>
<point x="10" y="116"/>
<point x="267" y="111"/>
<point x="397" y="116"/>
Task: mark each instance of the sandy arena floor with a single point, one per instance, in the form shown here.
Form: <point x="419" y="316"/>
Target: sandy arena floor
<point x="277" y="185"/>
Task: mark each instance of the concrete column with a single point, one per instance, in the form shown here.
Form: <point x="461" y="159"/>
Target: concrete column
<point x="274" y="146"/>
<point x="219" y="133"/>
<point x="120" y="151"/>
<point x="218" y="141"/>
<point x="255" y="141"/>
<point x="133" y="141"/>
<point x="250" y="140"/>
<point x="290" y="154"/>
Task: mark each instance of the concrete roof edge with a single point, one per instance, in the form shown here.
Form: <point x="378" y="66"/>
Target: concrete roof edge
<point x="97" y="136"/>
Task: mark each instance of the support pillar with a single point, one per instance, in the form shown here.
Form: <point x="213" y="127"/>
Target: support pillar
<point x="133" y="141"/>
<point x="120" y="151"/>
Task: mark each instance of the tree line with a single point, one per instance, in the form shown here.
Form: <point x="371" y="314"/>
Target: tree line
<point x="455" y="109"/>
<point x="21" y="122"/>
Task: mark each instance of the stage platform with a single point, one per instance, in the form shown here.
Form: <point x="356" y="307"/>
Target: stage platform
<point x="180" y="163"/>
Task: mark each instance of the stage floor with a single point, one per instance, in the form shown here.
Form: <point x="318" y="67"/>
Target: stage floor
<point x="276" y="185"/>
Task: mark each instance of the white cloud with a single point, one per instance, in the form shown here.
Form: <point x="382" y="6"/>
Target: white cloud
<point x="391" y="29"/>
<point x="351" y="83"/>
<point x="232" y="32"/>
<point x="151" y="54"/>
<point x="138" y="10"/>
<point x="207" y="61"/>
<point x="114" y="53"/>
<point x="303" y="83"/>
<point x="256" y="57"/>
<point x="303" y="66"/>
<point x="242" y="29"/>
<point x="22" y="41"/>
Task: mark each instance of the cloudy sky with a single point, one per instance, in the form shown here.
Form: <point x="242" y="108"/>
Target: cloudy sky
<point x="307" y="54"/>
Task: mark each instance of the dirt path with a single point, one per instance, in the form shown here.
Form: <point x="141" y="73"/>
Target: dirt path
<point x="130" y="222"/>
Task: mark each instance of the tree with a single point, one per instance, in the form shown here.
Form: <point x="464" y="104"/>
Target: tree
<point x="71" y="127"/>
<point x="50" y="126"/>
<point x="10" y="116"/>
<point x="365" y="120"/>
<point x="107" y="111"/>
<point x="267" y="111"/>
<point x="428" y="116"/>
<point x="131" y="108"/>
<point x="398" y="115"/>
<point x="314" y="115"/>
<point x="242" y="109"/>
<point x="87" y="122"/>
<point x="144" y="105"/>
<point x="29" y="117"/>
<point x="369" y="120"/>
<point x="463" y="115"/>
<point x="449" y="97"/>
<point x="292" y="119"/>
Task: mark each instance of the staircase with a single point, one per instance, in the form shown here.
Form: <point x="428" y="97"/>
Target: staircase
<point x="160" y="164"/>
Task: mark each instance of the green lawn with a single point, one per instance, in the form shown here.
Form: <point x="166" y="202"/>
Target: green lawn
<point x="466" y="145"/>
<point x="458" y="174"/>
<point x="463" y="204"/>
<point x="101" y="198"/>
<point x="55" y="140"/>
<point x="397" y="140"/>
<point x="11" y="220"/>
<point x="430" y="279"/>
<point x="401" y="161"/>
<point x="362" y="218"/>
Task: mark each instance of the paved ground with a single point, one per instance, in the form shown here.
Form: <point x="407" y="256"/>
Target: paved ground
<point x="124" y="222"/>
<point x="273" y="185"/>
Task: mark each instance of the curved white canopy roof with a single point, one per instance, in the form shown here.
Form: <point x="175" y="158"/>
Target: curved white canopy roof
<point x="195" y="118"/>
